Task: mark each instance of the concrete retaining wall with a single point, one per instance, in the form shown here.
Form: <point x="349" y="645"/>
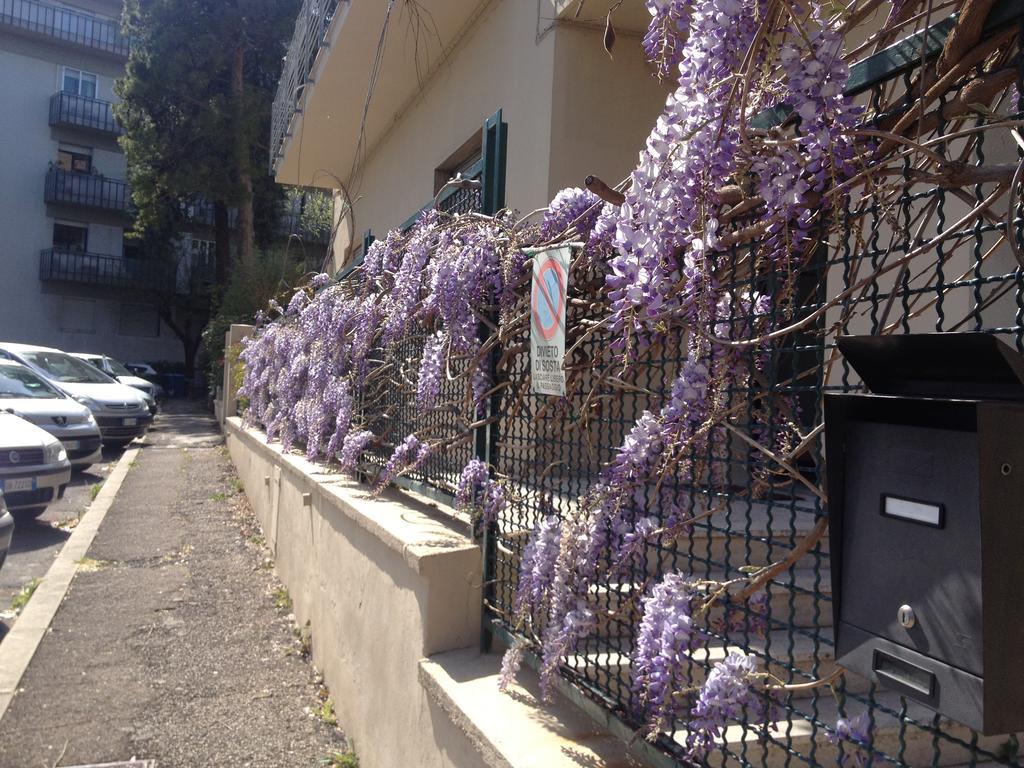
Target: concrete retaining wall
<point x="383" y="583"/>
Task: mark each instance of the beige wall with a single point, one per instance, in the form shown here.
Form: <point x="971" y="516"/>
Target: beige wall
<point x="500" y="65"/>
<point x="602" y="108"/>
<point x="382" y="583"/>
<point x="570" y="111"/>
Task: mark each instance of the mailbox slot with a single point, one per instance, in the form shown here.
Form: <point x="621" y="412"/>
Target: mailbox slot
<point x="902" y="674"/>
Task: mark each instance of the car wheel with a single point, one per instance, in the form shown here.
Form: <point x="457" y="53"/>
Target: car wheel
<point x="28" y="512"/>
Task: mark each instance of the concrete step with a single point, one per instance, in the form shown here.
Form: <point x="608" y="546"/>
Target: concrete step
<point x="801" y="597"/>
<point x="792" y="740"/>
<point x="744" y="533"/>
<point x="796" y="658"/>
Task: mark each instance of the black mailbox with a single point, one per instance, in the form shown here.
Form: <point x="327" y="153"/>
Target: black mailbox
<point x="926" y="515"/>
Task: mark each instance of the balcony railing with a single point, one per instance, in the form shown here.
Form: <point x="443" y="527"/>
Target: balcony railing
<point x="191" y="275"/>
<point x="100" y="270"/>
<point x="88" y="190"/>
<point x="64" y="24"/>
<point x="310" y="32"/>
<point x="204" y="214"/>
<point x="72" y="110"/>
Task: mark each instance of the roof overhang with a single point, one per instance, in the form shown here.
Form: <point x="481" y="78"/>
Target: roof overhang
<point x="327" y="134"/>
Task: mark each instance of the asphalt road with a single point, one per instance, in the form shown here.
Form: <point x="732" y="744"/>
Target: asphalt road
<point x="177" y="643"/>
<point x="37" y="541"/>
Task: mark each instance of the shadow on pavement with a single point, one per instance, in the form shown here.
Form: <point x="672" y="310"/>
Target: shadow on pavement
<point x="31" y="534"/>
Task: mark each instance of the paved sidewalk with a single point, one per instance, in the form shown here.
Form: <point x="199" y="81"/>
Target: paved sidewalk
<point x="169" y="644"/>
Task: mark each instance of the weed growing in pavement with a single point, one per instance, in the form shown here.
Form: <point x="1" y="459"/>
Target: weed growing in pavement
<point x="282" y="600"/>
<point x="91" y="564"/>
<point x="236" y="483"/>
<point x="94" y="490"/>
<point x="21" y="599"/>
<point x="219" y="496"/>
<point x="325" y="713"/>
<point x="305" y="637"/>
<point x="340" y="760"/>
<point x="256" y="539"/>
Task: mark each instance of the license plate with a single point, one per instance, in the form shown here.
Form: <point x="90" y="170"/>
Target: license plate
<point x="72" y="445"/>
<point x="130" y="422"/>
<point x="12" y="484"/>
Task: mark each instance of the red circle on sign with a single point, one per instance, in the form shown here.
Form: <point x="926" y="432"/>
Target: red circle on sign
<point x="548" y="309"/>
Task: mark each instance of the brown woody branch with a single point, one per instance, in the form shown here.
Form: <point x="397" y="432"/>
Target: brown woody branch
<point x="603" y="191"/>
<point x="965" y="35"/>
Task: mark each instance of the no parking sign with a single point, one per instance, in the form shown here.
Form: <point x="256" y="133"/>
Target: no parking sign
<point x="547" y="320"/>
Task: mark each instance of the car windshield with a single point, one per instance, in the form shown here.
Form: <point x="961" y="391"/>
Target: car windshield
<point x="17" y="381"/>
<point x="67" y="368"/>
<point x="117" y="368"/>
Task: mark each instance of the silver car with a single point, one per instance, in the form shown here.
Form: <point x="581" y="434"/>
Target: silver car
<point x="34" y="467"/>
<point x="121" y="412"/>
<point x="112" y="368"/>
<point x="25" y="393"/>
<point x="6" y="529"/>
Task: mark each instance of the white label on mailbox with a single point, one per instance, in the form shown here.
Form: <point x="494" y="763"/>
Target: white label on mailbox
<point x="930" y="514"/>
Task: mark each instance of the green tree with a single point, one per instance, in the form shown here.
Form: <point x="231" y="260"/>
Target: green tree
<point x="195" y="106"/>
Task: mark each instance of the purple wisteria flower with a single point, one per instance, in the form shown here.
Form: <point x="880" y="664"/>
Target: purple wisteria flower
<point x="428" y="382"/>
<point x="407" y="456"/>
<point x="479" y="495"/>
<point x="573" y="211"/>
<point x="537" y="570"/>
<point x="319" y="281"/>
<point x="855" y="734"/>
<point x="666" y="34"/>
<point x="510" y="664"/>
<point x="352" y="448"/>
<point x="664" y="641"/>
<point x="728" y="695"/>
<point x="409" y="279"/>
<point x="297" y="303"/>
<point x="663" y="238"/>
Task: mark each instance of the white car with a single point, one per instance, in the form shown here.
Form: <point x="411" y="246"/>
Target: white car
<point x="6" y="529"/>
<point x="112" y="368"/>
<point x="25" y="393"/>
<point x="34" y="467"/>
<point x="142" y="369"/>
<point x="121" y="412"/>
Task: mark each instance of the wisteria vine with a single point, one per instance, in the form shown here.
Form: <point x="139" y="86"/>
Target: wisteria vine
<point x="707" y="182"/>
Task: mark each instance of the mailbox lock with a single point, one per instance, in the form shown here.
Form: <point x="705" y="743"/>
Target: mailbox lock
<point x="906" y="617"/>
<point x="1006" y="469"/>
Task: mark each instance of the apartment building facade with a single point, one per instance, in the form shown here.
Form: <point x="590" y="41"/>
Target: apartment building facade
<point x="69" y="277"/>
<point x="558" y="104"/>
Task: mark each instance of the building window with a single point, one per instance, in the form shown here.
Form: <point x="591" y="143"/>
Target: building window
<point x="77" y="159"/>
<point x="77" y="316"/>
<point x="466" y="160"/>
<point x="79" y="83"/>
<point x="138" y="320"/>
<point x="69" y="236"/>
<point x="203" y="249"/>
<point x="130" y="248"/>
